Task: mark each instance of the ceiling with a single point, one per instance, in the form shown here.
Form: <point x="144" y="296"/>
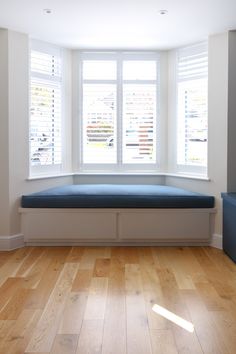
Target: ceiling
<point x="119" y="24"/>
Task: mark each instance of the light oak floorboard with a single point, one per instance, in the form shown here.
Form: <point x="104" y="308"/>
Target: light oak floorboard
<point x="87" y="300"/>
<point x="90" y="340"/>
<point x="47" y="326"/>
<point x="65" y="344"/>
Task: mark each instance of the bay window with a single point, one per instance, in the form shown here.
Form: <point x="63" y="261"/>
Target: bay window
<point x="117" y="125"/>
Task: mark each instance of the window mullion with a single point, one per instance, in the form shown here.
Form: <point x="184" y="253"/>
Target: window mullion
<point x="119" y="125"/>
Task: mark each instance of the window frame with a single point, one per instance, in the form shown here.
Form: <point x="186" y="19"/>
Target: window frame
<point x="118" y="56"/>
<point x="50" y="169"/>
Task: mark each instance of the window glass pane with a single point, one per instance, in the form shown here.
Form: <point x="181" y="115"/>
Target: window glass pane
<point x="99" y="122"/>
<point x="45" y="122"/>
<point x="192" y="122"/>
<point x="139" y="121"/>
<point x="99" y="70"/>
<point x="139" y="70"/>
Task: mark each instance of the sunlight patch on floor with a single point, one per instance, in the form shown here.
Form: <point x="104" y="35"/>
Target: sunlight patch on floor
<point x="188" y="326"/>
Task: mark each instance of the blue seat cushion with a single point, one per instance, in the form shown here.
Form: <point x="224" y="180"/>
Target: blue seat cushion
<point x="116" y="196"/>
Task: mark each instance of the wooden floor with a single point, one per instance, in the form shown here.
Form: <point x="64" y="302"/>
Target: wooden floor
<point x="79" y="300"/>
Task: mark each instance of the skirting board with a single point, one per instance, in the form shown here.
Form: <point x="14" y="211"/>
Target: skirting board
<point x="9" y="243"/>
<point x="217" y="241"/>
<point x="110" y="244"/>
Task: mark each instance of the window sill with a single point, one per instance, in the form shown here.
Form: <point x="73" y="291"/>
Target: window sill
<point x="131" y="173"/>
<point x="150" y="174"/>
<point x="188" y="176"/>
<point x="34" y="178"/>
<point x="128" y="174"/>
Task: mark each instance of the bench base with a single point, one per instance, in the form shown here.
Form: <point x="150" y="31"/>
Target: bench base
<point x="49" y="226"/>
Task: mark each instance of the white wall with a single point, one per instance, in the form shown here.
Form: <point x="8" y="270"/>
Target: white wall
<point x="217" y="126"/>
<point x="4" y="155"/>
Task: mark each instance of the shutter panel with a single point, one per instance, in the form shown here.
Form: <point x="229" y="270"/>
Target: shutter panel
<point x="192" y="72"/>
<point x="45" y="122"/>
<point x="99" y="120"/>
<point x="139" y="120"/>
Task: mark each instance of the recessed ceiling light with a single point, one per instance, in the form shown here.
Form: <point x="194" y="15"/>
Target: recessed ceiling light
<point x="47" y="11"/>
<point x="163" y="12"/>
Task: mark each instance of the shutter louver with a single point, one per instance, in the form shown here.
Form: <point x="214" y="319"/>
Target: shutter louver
<point x="193" y="62"/>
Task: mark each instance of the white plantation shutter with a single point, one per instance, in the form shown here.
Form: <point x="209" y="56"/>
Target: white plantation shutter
<point x="99" y="111"/>
<point x="192" y="85"/>
<point x="46" y="64"/>
<point x="139" y="111"/>
<point x="45" y="120"/>
<point x="193" y="62"/>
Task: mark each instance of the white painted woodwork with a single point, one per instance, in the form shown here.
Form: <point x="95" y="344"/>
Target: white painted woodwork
<point x="116" y="226"/>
